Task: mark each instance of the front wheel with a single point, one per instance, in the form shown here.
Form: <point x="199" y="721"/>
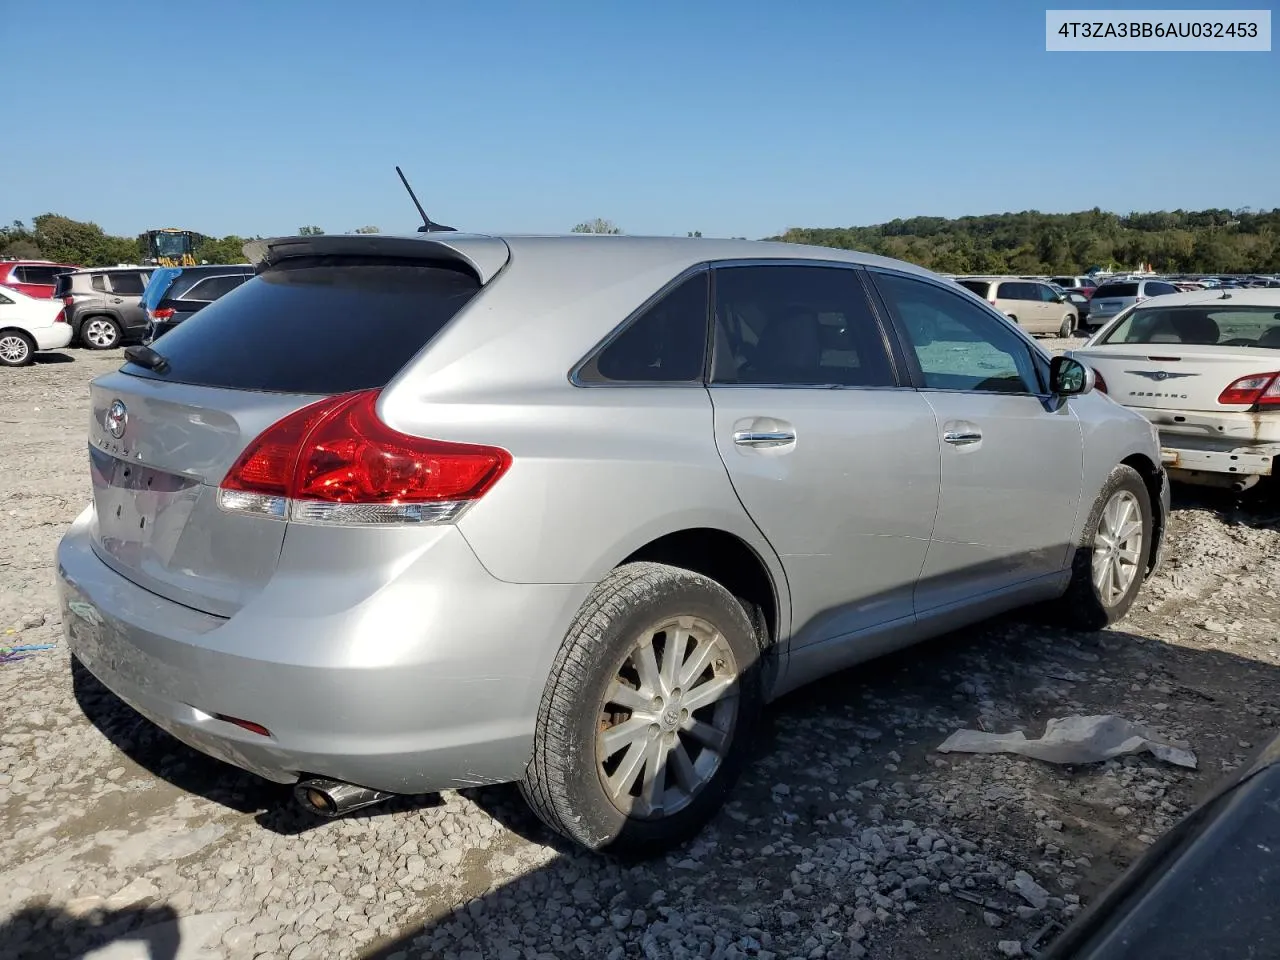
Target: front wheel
<point x="16" y="349"/>
<point x="648" y="714"/>
<point x="100" y="333"/>
<point x="1068" y="327"/>
<point x="1111" y="560"/>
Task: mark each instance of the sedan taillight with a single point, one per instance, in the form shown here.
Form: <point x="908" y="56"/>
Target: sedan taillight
<point x="1257" y="389"/>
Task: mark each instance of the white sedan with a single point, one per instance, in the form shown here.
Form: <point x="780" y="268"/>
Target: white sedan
<point x="1204" y="367"/>
<point x="27" y="325"/>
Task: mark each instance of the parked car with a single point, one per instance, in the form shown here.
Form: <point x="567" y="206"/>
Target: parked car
<point x="104" y="305"/>
<point x="1080" y="301"/>
<point x="175" y="294"/>
<point x="33" y="278"/>
<point x="1204" y="367"/>
<point x="1115" y="295"/>
<point x="1032" y="304"/>
<point x="407" y="514"/>
<point x="28" y="325"/>
<point x="1084" y="284"/>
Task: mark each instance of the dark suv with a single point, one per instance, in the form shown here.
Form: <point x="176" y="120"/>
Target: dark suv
<point x="104" y="305"/>
<point x="176" y="293"/>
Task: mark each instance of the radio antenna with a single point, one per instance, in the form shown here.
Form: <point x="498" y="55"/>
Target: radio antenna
<point x="428" y="226"/>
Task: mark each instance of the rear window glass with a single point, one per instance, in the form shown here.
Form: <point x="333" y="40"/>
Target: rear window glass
<point x="1201" y="326"/>
<point x="211" y="288"/>
<point x="98" y="282"/>
<point x="1157" y="289"/>
<point x="1108" y="290"/>
<point x="62" y="286"/>
<point x="980" y="287"/>
<point x="39" y="274"/>
<point x="315" y="325"/>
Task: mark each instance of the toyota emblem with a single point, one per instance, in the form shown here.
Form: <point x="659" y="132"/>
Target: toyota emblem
<point x="117" y="418"/>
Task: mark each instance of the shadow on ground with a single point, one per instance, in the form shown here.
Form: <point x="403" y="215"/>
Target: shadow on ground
<point x="191" y="771"/>
<point x="48" y="933"/>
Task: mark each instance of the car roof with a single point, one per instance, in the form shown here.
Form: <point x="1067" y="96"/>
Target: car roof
<point x="487" y="253"/>
<point x="1246" y="297"/>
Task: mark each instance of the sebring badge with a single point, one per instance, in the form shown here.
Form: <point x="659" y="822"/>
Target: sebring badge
<point x="116" y="419"/>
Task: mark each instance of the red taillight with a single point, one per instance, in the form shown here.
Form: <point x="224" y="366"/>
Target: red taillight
<point x="162" y="313"/>
<point x="249" y="725"/>
<point x="1257" y="389"/>
<point x="68" y="301"/>
<point x="61" y="317"/>
<point x="1098" y="383"/>
<point x="335" y="462"/>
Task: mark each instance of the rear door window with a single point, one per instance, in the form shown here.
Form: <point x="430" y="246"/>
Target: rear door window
<point x="316" y="325"/>
<point x="665" y="344"/>
<point x="797" y="326"/>
<point x="127" y="284"/>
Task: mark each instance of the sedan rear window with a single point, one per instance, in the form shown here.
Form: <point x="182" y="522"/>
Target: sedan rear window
<point x="316" y="325"/>
<point x="1201" y="326"/>
<point x="1110" y="290"/>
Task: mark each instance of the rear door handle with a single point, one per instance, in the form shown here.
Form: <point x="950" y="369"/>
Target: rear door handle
<point x="961" y="437"/>
<point x="749" y="438"/>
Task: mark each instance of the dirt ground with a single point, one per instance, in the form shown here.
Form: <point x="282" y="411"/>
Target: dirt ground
<point x="850" y="836"/>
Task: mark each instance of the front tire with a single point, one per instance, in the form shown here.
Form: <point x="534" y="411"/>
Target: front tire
<point x="100" y="333"/>
<point x="1111" y="560"/>
<point x="16" y="348"/>
<point x="648" y="714"/>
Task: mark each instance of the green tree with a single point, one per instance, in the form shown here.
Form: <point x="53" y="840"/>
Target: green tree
<point x="694" y="233"/>
<point x="366" y="230"/>
<point x="597" y="226"/>
<point x="312" y="231"/>
<point x="229" y="249"/>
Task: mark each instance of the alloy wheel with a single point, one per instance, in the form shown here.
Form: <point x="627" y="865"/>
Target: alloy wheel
<point x="1117" y="547"/>
<point x="667" y="718"/>
<point x="14" y="349"/>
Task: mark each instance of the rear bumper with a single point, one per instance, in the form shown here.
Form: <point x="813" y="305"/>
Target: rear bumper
<point x="1182" y="455"/>
<point x="431" y="681"/>
<point x="53" y="338"/>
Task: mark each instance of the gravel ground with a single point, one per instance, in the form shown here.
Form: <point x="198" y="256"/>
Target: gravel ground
<point x="849" y="837"/>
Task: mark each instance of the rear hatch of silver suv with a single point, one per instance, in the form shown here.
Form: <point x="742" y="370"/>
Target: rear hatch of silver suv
<point x="217" y="403"/>
<point x="1110" y="299"/>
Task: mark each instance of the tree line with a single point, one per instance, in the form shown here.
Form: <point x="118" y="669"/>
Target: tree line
<point x="1178" y="241"/>
<point x="1030" y="242"/>
<point x="54" y="237"/>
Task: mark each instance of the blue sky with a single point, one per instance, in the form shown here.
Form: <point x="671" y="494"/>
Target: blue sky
<point x="739" y="118"/>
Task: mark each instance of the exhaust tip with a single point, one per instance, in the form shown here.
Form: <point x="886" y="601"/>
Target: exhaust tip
<point x="333" y="798"/>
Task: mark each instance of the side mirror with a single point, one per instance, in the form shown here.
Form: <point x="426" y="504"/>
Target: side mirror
<point x="1069" y="377"/>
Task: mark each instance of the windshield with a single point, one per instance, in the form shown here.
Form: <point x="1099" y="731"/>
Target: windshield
<point x="1201" y="326"/>
<point x="171" y="244"/>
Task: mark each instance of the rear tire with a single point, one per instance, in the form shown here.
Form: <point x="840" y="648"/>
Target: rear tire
<point x="17" y="349"/>
<point x="635" y="750"/>
<point x="1111" y="559"/>
<point x="100" y="333"/>
<point x="1068" y="327"/>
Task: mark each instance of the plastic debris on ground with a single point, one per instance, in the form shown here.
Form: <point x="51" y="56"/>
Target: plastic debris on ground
<point x="1073" y="740"/>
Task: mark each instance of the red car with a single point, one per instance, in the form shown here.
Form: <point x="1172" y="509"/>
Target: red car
<point x="35" y="278"/>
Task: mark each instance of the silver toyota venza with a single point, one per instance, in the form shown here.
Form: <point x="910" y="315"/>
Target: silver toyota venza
<point x="403" y="514"/>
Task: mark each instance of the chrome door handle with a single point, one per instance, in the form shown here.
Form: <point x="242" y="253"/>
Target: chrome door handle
<point x="961" y="437"/>
<point x="746" y="438"/>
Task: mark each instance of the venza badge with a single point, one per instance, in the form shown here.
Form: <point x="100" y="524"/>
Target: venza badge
<point x="117" y="418"/>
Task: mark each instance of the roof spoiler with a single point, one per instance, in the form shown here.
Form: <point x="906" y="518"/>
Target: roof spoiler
<point x="484" y="255"/>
